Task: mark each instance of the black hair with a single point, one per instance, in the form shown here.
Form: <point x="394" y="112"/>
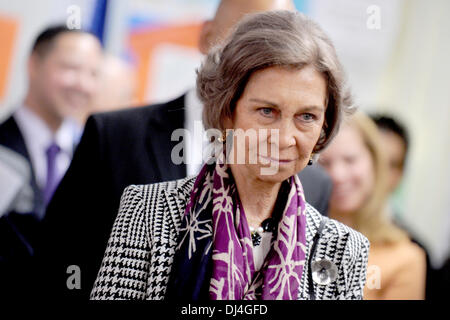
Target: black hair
<point x="46" y="38"/>
<point x="389" y="123"/>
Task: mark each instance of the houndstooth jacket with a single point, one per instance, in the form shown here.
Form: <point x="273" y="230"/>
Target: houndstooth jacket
<point x="141" y="248"/>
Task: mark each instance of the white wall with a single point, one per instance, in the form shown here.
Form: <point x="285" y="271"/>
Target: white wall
<point x="403" y="69"/>
<point x="416" y="84"/>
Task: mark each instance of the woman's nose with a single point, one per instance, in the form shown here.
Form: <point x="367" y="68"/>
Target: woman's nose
<point x="287" y="135"/>
<point x="337" y="173"/>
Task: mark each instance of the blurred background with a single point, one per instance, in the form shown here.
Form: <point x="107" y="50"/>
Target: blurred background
<point x="394" y="51"/>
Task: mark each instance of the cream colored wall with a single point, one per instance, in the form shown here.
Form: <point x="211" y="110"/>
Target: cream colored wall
<point x="403" y="68"/>
<point x="415" y="85"/>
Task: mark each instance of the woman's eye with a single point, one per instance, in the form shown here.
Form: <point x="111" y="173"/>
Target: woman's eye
<point x="267" y="112"/>
<point x="308" y="116"/>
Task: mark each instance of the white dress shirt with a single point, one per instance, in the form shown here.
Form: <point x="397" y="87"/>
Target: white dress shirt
<point x="38" y="137"/>
<point x="260" y="252"/>
<point x="196" y="141"/>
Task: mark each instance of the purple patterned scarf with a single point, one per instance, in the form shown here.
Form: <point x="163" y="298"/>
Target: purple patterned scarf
<point x="227" y="234"/>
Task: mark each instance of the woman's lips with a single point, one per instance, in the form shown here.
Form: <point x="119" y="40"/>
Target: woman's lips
<point x="342" y="191"/>
<point x="267" y="160"/>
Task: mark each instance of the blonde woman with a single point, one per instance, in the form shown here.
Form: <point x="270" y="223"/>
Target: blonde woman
<point x="356" y="164"/>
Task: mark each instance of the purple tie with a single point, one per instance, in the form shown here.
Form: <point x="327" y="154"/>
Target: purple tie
<point x="52" y="176"/>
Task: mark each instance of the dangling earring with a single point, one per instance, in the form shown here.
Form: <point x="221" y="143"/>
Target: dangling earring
<point x="313" y="159"/>
<point x="227" y="143"/>
<point x="310" y="162"/>
<point x="222" y="139"/>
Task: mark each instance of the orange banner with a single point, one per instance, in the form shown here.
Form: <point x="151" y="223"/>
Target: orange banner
<point x="144" y="42"/>
<point x="8" y="33"/>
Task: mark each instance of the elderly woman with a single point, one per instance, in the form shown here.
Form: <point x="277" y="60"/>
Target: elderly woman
<point x="235" y="231"/>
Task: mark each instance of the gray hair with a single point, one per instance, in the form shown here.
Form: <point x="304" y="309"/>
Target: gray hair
<point x="262" y="40"/>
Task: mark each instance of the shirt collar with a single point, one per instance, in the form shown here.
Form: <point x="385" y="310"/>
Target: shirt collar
<point x="196" y="146"/>
<point x="36" y="131"/>
<point x="194" y="107"/>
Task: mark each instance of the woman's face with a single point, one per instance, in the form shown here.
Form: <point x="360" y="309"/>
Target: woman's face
<point x="349" y="163"/>
<point x="396" y="152"/>
<point x="288" y="105"/>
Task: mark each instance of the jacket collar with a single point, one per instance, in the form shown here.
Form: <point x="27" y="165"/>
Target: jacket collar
<point x="11" y="137"/>
<point x="179" y="197"/>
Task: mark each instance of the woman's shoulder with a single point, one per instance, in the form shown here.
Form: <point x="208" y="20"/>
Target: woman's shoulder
<point x="156" y="201"/>
<point x="410" y="248"/>
<point x="402" y="253"/>
<point x="402" y="270"/>
<point x="149" y="191"/>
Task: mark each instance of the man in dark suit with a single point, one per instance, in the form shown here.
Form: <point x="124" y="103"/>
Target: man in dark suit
<point x="38" y="140"/>
<point x="441" y="291"/>
<point x="126" y="147"/>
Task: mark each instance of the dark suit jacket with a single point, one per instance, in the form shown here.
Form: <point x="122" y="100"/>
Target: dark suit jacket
<point x="117" y="149"/>
<point x="442" y="291"/>
<point x="18" y="231"/>
<point x="317" y="187"/>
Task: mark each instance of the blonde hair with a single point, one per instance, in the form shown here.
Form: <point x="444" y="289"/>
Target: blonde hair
<point x="372" y="218"/>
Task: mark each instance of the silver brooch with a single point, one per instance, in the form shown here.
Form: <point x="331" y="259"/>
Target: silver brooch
<point x="324" y="271"/>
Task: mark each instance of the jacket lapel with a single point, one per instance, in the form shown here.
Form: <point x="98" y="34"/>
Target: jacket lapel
<point x="178" y="199"/>
<point x="172" y="204"/>
<point x="331" y="247"/>
<point x="11" y="137"/>
<point x="312" y="225"/>
<point x="168" y="118"/>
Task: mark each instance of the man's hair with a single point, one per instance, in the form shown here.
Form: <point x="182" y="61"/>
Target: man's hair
<point x="389" y="123"/>
<point x="45" y="40"/>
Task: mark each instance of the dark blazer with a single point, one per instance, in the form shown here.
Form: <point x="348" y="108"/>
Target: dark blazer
<point x="18" y="231"/>
<point x="441" y="291"/>
<point x="317" y="186"/>
<point x="11" y="138"/>
<point x="117" y="149"/>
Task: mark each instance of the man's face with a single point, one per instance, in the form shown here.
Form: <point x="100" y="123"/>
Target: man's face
<point x="65" y="78"/>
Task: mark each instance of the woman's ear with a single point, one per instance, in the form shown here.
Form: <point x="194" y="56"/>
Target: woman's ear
<point x="206" y="32"/>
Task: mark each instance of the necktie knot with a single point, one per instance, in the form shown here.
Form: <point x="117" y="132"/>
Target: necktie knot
<point x="52" y="175"/>
<point x="52" y="150"/>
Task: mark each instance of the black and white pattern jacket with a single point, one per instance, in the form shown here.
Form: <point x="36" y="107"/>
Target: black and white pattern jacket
<point x="141" y="248"/>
